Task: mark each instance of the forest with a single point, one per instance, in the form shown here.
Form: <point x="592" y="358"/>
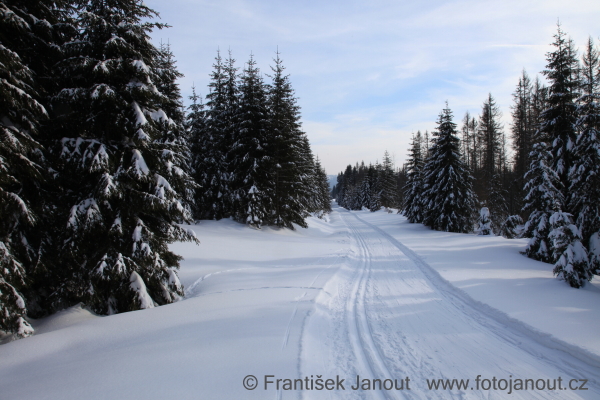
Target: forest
<point x="101" y="164"/>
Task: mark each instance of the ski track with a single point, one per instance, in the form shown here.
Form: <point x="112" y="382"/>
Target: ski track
<point x="394" y="316"/>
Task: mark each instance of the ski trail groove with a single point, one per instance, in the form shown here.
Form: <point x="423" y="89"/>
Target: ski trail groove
<point x="367" y="353"/>
<point x="512" y="331"/>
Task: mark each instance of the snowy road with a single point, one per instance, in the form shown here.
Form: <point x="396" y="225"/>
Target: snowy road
<point x="386" y="314"/>
<point x="358" y="294"/>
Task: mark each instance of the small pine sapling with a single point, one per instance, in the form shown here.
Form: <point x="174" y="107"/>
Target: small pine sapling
<point x="484" y="224"/>
<point x="512" y="227"/>
<point x="571" y="258"/>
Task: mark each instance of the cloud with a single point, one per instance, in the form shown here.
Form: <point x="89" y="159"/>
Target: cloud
<point x="368" y="74"/>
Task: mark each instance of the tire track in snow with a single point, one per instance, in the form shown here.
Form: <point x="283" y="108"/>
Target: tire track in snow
<point x="500" y="324"/>
<point x="365" y="350"/>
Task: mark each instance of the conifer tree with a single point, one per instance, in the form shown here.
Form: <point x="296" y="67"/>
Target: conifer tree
<point x="497" y="202"/>
<point x="448" y="196"/>
<point x="484" y="224"/>
<point x="569" y="255"/>
<point x="214" y="199"/>
<point x="307" y="192"/>
<point x="166" y="83"/>
<point x="284" y="116"/>
<point x="543" y="193"/>
<point x="22" y="169"/>
<point x="199" y="143"/>
<point x="121" y="169"/>
<point x="387" y="182"/>
<point x="548" y="183"/>
<point x="491" y="138"/>
<point x="510" y="229"/>
<point x="251" y="152"/>
<point x="323" y="196"/>
<point x="412" y="206"/>
<point x="585" y="173"/>
<point x="522" y="134"/>
<point x="558" y="119"/>
<point x="377" y="186"/>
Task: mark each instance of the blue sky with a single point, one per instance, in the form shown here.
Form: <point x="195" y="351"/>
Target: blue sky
<point x="370" y="73"/>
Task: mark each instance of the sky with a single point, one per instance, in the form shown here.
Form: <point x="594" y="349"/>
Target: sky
<point x="368" y="74"/>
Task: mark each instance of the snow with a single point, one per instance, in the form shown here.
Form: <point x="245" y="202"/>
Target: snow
<point x="138" y="286"/>
<point x="140" y="119"/>
<point x="141" y="65"/>
<point x="362" y="293"/>
<point x="139" y="163"/>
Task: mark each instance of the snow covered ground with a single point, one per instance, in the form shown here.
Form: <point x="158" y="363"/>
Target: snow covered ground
<point x="363" y="294"/>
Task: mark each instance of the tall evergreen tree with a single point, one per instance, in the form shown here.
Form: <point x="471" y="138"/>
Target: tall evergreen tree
<point x="412" y="205"/>
<point x="213" y="200"/>
<point x="585" y="174"/>
<point x="26" y="43"/>
<point x="559" y="118"/>
<point x="470" y="142"/>
<point x="288" y="180"/>
<point x="543" y="195"/>
<point x="522" y="133"/>
<point x="387" y="182"/>
<point x="199" y="144"/>
<point x="552" y="157"/>
<point x="252" y="168"/>
<point x="122" y="176"/>
<point x="323" y="197"/>
<point x="448" y="196"/>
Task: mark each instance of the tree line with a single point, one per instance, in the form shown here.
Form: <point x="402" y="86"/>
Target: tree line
<point x="372" y="186"/>
<point x="552" y="181"/>
<point x="100" y="163"/>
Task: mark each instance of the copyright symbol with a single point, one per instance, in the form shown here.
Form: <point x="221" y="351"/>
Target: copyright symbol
<point x="250" y="382"/>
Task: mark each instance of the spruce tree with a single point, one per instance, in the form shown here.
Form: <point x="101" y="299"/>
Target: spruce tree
<point x="522" y="134"/>
<point x="548" y="183"/>
<point x="199" y="143"/>
<point x="470" y="141"/>
<point x="166" y="83"/>
<point x="22" y="169"/>
<point x="412" y="206"/>
<point x="211" y="158"/>
<point x="558" y="119"/>
<point x="448" y="196"/>
<point x="511" y="228"/>
<point x="377" y="187"/>
<point x="491" y="138"/>
<point x="543" y="193"/>
<point x="252" y="152"/>
<point x="387" y="182"/>
<point x="307" y="191"/>
<point x="484" y="224"/>
<point x="284" y="123"/>
<point x="121" y="169"/>
<point x="322" y="183"/>
<point x="569" y="255"/>
<point x="497" y="202"/>
<point x="585" y="174"/>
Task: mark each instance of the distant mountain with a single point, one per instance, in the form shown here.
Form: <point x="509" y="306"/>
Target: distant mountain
<point x="332" y="179"/>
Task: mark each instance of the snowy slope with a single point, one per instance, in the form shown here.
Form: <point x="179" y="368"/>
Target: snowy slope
<point x="366" y="293"/>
